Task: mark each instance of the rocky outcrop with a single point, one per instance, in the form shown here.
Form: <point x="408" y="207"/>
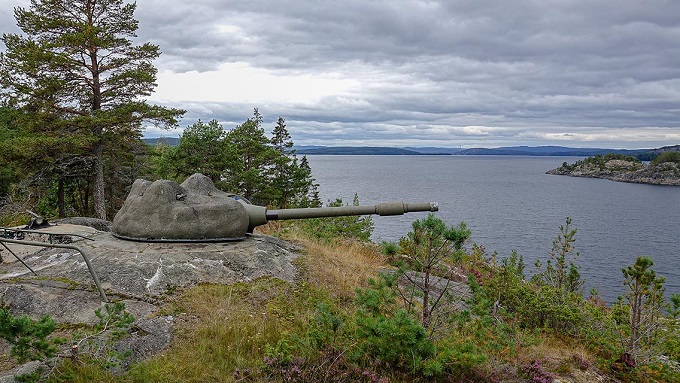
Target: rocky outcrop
<point x="667" y="173"/>
<point x="139" y="274"/>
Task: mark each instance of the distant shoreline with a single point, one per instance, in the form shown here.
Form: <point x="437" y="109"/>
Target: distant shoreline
<point x="537" y="151"/>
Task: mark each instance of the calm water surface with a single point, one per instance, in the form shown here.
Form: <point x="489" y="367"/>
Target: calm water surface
<point x="509" y="203"/>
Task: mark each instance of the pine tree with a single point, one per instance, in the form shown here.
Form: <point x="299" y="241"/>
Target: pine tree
<point x="284" y="165"/>
<point x="561" y="272"/>
<point x="291" y="180"/>
<point x="76" y="66"/>
<point x="281" y="140"/>
<point x="645" y="298"/>
<point x="426" y="246"/>
<point x="247" y="174"/>
<point x="203" y="148"/>
<point x="306" y="188"/>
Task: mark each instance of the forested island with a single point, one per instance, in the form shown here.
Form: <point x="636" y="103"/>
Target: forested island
<point x="663" y="170"/>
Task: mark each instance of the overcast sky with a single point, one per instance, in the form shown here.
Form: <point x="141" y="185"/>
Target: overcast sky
<point x="592" y="73"/>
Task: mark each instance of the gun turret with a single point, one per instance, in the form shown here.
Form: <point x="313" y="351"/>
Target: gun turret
<point x="196" y="211"/>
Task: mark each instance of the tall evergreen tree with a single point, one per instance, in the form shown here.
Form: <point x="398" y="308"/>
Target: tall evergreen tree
<point x="254" y="157"/>
<point x="281" y="140"/>
<point x="285" y="163"/>
<point x="291" y="180"/>
<point x="77" y="67"/>
<point x="306" y="188"/>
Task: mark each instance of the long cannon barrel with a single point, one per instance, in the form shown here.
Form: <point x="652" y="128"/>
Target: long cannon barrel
<point x="259" y="215"/>
<point x="385" y="208"/>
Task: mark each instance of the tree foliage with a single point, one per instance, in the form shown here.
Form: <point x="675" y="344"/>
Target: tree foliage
<point x="81" y="80"/>
<point x="427" y="246"/>
<point x="8" y="169"/>
<point x="600" y="162"/>
<point x="202" y="149"/>
<point x="386" y="331"/>
<point x="242" y="160"/>
<point x="552" y="298"/>
<point x="290" y="179"/>
<point x="29" y="338"/>
<point x="664" y="157"/>
<point x="253" y="161"/>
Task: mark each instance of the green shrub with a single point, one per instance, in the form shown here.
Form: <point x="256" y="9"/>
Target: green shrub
<point x="386" y="332"/>
<point x="455" y="357"/>
<point x="673" y="157"/>
<point x="622" y="157"/>
<point x="389" y="249"/>
<point x="29" y="338"/>
<point x="397" y="339"/>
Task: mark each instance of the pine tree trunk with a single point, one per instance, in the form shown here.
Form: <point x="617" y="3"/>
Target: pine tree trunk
<point x="99" y="201"/>
<point x="61" y="204"/>
<point x="426" y="299"/>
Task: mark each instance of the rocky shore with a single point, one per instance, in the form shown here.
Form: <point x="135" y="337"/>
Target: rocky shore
<point x="667" y="173"/>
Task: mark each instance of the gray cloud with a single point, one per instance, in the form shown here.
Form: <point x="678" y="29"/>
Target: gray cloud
<point x="444" y="73"/>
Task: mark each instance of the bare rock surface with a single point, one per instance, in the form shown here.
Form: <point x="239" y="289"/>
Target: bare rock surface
<point x="140" y="274"/>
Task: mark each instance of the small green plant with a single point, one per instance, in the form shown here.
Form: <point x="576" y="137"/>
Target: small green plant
<point x="561" y="272"/>
<point x="114" y="323"/>
<point x="325" y="326"/>
<point x="389" y="333"/>
<point x="29" y="338"/>
<point x="389" y="249"/>
<point x="32" y="340"/>
<point x="427" y="246"/>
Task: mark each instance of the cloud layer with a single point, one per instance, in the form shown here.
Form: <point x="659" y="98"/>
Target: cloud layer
<point x="424" y="73"/>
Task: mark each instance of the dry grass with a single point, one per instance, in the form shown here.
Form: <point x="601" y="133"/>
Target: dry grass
<point x="340" y="267"/>
<point x="225" y="328"/>
<point x="567" y="359"/>
<point x="557" y="348"/>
